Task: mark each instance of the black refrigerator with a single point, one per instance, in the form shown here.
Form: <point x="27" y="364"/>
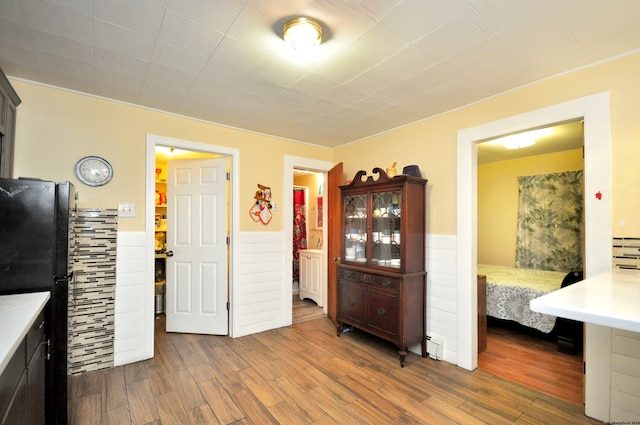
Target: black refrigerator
<point x="36" y="238"/>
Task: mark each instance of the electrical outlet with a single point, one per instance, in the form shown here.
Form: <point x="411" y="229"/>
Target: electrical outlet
<point x="126" y="209"/>
<point x="274" y="206"/>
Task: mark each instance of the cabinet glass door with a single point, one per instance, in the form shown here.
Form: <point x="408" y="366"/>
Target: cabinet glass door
<point x="355" y="226"/>
<point x="385" y="229"/>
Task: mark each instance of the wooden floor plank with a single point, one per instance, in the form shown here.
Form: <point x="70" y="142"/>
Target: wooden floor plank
<point x="221" y="403"/>
<point x="142" y="404"/>
<point x="114" y="390"/>
<point x="87" y="409"/>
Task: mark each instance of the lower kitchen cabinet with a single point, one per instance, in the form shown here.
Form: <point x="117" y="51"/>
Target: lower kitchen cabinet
<point x="311" y="276"/>
<point x="22" y="384"/>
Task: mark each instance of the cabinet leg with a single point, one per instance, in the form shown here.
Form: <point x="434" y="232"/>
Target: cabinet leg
<point x="403" y="354"/>
<point x="424" y="347"/>
<point x="339" y="329"/>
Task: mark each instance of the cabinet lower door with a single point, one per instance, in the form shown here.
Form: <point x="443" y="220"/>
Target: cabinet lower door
<point x="16" y="414"/>
<point x="383" y="311"/>
<point x="352" y="302"/>
<point x="35" y="379"/>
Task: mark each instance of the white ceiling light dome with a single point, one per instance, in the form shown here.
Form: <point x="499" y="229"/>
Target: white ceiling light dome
<point x="302" y="33"/>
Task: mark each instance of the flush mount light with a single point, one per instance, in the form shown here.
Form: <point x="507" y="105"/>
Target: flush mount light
<point x="518" y="141"/>
<point x="302" y="33"/>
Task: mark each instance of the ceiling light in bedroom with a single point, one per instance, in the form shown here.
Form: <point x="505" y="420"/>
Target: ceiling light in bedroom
<point x="517" y="141"/>
<point x="302" y="33"/>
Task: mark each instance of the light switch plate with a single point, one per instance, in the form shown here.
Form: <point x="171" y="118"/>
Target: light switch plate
<point x="126" y="209"/>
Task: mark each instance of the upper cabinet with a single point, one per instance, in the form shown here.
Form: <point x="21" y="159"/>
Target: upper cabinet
<point x="9" y="101"/>
<point x="384" y="222"/>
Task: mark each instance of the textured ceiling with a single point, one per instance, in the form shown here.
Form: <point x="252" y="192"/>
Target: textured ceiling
<point x="383" y="64"/>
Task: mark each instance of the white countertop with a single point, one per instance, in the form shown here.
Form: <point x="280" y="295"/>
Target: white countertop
<point x="609" y="299"/>
<point x="17" y="314"/>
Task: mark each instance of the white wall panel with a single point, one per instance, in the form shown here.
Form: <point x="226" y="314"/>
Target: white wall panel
<point x="258" y="291"/>
<point x="441" y="293"/>
<point x="625" y="376"/>
<point x="129" y="299"/>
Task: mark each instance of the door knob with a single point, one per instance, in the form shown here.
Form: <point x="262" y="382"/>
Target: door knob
<point x="169" y="253"/>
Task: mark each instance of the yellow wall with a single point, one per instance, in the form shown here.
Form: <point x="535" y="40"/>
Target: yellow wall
<point x="498" y="201"/>
<point x="55" y="128"/>
<point x="431" y="144"/>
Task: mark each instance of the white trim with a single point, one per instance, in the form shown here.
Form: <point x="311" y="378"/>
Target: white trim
<point x="234" y="154"/>
<point x="290" y="163"/>
<point x="597" y="138"/>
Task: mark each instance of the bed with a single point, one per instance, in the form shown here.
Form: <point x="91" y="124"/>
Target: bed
<point x="510" y="289"/>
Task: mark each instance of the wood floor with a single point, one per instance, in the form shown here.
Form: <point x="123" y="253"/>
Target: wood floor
<point x="534" y="362"/>
<point x="304" y="310"/>
<point x="302" y="374"/>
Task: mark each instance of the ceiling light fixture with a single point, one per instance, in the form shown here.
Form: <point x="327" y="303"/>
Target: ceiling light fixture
<point x="302" y="33"/>
<point x="518" y="141"/>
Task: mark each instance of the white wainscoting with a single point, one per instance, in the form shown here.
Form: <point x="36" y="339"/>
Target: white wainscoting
<point x="625" y="377"/>
<point x="258" y="292"/>
<point x="441" y="293"/>
<point x="130" y="298"/>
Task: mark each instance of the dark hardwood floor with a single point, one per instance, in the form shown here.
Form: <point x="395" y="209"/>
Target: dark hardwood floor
<point x="302" y="374"/>
<point x="532" y="360"/>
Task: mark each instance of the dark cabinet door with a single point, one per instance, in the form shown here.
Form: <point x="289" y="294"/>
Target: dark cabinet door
<point x="352" y="301"/>
<point x="36" y="394"/>
<point x="383" y="311"/>
<point x="16" y="414"/>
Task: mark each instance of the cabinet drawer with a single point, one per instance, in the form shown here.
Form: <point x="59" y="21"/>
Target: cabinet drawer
<point x="383" y="311"/>
<point x="386" y="283"/>
<point x="352" y="301"/>
<point x="356" y="276"/>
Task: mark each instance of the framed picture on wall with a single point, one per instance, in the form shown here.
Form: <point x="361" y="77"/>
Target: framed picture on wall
<point x="319" y="217"/>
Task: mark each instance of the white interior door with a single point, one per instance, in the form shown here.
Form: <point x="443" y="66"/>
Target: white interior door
<point x="197" y="290"/>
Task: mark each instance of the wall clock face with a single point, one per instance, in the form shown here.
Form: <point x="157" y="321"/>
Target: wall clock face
<point x="94" y="171"/>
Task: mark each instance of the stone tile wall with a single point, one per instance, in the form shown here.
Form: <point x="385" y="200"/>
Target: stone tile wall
<point x="626" y="253"/>
<point x="92" y="291"/>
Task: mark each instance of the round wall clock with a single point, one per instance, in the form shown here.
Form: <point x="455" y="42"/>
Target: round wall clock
<point x="94" y="171"/>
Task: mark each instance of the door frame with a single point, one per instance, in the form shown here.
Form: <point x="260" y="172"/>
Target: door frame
<point x="594" y="109"/>
<point x="234" y="226"/>
<point x="290" y="163"/>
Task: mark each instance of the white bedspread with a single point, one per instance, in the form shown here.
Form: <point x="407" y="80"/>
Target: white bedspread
<point x="510" y="289"/>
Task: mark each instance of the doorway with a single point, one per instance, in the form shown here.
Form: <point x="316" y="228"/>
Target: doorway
<point x="150" y="223"/>
<point x="307" y="246"/>
<point x="521" y="346"/>
<point x="594" y="109"/>
<point x="292" y="163"/>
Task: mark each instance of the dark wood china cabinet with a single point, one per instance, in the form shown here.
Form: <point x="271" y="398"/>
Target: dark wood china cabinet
<point x="381" y="276"/>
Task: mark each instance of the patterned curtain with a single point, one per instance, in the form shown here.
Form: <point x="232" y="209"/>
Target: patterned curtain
<point x="550" y="221"/>
<point x="299" y="229"/>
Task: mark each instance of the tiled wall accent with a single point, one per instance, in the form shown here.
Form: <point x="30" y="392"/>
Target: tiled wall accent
<point x="626" y="253"/>
<point x="92" y="293"/>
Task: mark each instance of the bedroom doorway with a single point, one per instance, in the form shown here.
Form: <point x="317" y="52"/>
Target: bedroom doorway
<point x="595" y="110"/>
<point x="528" y="352"/>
